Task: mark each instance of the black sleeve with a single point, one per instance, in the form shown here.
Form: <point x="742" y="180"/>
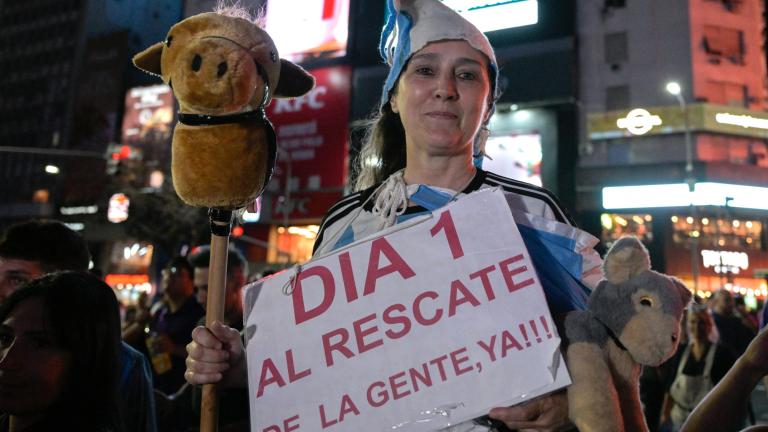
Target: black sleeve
<point x="721" y="364"/>
<point x="670" y="366"/>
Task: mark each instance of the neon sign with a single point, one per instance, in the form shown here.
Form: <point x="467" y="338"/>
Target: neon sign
<point x="745" y="121"/>
<point x="725" y="261"/>
<point x="679" y="195"/>
<point x="118" y="208"/>
<point x="638" y="121"/>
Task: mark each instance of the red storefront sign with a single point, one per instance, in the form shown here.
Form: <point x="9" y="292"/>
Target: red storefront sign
<point x="313" y="138"/>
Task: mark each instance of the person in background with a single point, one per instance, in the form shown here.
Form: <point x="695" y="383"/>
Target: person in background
<point x="171" y="325"/>
<point x="237" y="271"/>
<point x="31" y="249"/>
<point x="697" y="367"/>
<point x="60" y="355"/>
<point x="722" y="409"/>
<point x="134" y="327"/>
<point x="734" y="335"/>
<point x="423" y="149"/>
<point x="749" y="319"/>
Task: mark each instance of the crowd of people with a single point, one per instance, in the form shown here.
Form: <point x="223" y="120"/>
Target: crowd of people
<point x="60" y="324"/>
<point x="68" y="361"/>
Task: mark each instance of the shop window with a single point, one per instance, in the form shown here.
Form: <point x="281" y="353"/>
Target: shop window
<point x="718" y="233"/>
<point x="616" y="98"/>
<point x="517" y="156"/>
<point x="618" y="225"/>
<point x="616" y="51"/>
<point x="291" y="245"/>
<point x="127" y="270"/>
<point x="722" y="43"/>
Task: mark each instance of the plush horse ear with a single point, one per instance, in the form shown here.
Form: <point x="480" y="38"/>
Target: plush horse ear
<point x="149" y="59"/>
<point x="294" y="80"/>
<point x="626" y="258"/>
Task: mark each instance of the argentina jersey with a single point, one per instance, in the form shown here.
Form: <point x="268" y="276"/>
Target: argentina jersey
<point x="352" y="218"/>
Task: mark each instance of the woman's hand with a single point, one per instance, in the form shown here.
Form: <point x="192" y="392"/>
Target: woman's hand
<point x="546" y="414"/>
<point x="216" y="355"/>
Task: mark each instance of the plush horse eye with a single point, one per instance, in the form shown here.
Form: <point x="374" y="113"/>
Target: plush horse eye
<point x="197" y="61"/>
<point x="168" y="41"/>
<point x="646" y="301"/>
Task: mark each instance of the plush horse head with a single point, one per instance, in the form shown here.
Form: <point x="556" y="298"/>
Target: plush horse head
<point x="223" y="70"/>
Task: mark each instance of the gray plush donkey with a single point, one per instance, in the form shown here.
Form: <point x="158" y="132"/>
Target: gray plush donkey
<point x="632" y="319"/>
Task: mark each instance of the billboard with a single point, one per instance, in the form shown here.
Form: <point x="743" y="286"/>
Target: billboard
<point x="148" y="117"/>
<point x="324" y="26"/>
<point x="517" y="156"/>
<point x="491" y="15"/>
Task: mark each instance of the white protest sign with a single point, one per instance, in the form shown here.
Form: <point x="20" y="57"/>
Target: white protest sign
<point x="415" y="329"/>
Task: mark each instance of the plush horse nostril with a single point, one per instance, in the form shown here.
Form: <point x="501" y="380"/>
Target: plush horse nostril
<point x="197" y="61"/>
<point x="222" y="69"/>
<point x="674" y="337"/>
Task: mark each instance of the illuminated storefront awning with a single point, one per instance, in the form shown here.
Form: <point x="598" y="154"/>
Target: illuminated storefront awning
<point x="679" y="195"/>
<point x="641" y="121"/>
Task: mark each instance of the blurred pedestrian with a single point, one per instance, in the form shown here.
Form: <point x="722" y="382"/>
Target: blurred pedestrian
<point x="31" y="249"/>
<point x="60" y="355"/>
<point x="171" y="326"/>
<point x="135" y="323"/>
<point x="722" y="409"/>
<point x="748" y="318"/>
<point x="699" y="364"/>
<point x="734" y="335"/>
<point x="237" y="271"/>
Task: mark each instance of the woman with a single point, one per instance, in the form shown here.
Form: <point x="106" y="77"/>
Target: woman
<point x="700" y="364"/>
<point x="723" y="408"/>
<point x="59" y="355"/>
<point x="421" y="151"/>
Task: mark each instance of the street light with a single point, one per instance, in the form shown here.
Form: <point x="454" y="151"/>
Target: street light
<point x="676" y="90"/>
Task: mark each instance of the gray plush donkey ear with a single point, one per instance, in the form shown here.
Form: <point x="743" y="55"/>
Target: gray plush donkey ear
<point x="685" y="293"/>
<point x="626" y="258"/>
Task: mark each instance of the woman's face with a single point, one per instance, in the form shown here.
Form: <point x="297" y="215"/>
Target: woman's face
<point x="33" y="369"/>
<point x="698" y="327"/>
<point x="442" y="98"/>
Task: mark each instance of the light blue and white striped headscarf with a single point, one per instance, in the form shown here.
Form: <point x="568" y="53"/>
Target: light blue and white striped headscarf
<point x="411" y="25"/>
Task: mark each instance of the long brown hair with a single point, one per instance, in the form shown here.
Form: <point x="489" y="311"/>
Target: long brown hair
<point x="383" y="149"/>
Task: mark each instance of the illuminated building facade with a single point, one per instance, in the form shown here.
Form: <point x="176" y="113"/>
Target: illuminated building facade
<point x="673" y="146"/>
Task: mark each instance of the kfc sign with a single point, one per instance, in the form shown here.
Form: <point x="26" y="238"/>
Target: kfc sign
<point x="313" y="136"/>
<point x="312" y="100"/>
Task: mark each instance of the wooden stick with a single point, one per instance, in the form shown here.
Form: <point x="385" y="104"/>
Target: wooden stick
<point x="221" y="223"/>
